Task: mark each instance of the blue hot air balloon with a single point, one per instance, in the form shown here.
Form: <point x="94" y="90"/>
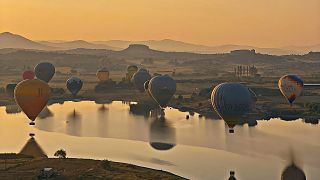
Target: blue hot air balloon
<point x="44" y="71"/>
<point x="161" y="89"/>
<point x="139" y="78"/>
<point x="232" y="101"/>
<point x="74" y="85"/>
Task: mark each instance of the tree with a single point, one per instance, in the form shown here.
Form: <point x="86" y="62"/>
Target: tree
<point x="61" y="153"/>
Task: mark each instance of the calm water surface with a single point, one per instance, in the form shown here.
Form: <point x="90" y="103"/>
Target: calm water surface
<point x="197" y="148"/>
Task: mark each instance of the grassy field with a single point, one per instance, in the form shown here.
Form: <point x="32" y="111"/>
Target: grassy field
<point x="80" y="169"/>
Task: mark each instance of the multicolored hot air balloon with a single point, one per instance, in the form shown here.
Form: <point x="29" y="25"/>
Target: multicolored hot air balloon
<point x="44" y="71"/>
<point x="103" y="74"/>
<point x="130" y="71"/>
<point x="74" y="85"/>
<point x="32" y="96"/>
<point x="161" y="89"/>
<point x="231" y="101"/>
<point x="290" y="86"/>
<point x="28" y="75"/>
<point x="139" y="78"/>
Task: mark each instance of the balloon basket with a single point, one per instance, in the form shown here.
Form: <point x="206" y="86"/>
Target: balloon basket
<point x="32" y="124"/>
<point x="231" y="131"/>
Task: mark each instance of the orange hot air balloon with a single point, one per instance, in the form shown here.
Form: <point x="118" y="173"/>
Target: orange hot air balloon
<point x="103" y="74"/>
<point x="32" y="96"/>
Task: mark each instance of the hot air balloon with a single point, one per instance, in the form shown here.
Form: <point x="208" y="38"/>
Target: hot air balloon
<point x="10" y="89"/>
<point x="32" y="96"/>
<point x="130" y="71"/>
<point x="28" y="75"/>
<point x="74" y="85"/>
<point x="139" y="78"/>
<point x="44" y="71"/>
<point x="231" y="101"/>
<point x="103" y="74"/>
<point x="162" y="88"/>
<point x="146" y="85"/>
<point x="291" y="87"/>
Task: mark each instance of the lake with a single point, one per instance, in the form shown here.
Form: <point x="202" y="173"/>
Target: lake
<point x="196" y="148"/>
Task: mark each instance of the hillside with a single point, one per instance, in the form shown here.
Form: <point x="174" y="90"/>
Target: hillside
<point x="179" y="46"/>
<point x="77" y="44"/>
<point x="81" y="169"/>
<point x="9" y="40"/>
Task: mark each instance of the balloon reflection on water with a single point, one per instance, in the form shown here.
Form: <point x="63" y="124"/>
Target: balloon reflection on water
<point x="162" y="136"/>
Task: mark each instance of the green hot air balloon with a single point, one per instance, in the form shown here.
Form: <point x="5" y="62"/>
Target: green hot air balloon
<point x="232" y="101"/>
<point x="139" y="78"/>
<point x="130" y="72"/>
<point x="161" y="89"/>
<point x="44" y="71"/>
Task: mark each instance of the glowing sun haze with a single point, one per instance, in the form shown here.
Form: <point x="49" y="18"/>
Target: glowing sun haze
<point x="264" y="23"/>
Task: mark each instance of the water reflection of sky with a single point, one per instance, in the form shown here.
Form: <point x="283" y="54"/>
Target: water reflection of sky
<point x="197" y="148"/>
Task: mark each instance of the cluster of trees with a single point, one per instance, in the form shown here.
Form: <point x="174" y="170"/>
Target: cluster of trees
<point x="313" y="107"/>
<point x="247" y="71"/>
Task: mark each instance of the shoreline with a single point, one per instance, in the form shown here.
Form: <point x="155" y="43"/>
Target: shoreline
<point x="265" y="108"/>
<point x="18" y="165"/>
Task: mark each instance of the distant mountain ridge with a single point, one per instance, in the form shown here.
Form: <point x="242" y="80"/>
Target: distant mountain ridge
<point x="9" y="40"/>
<point x="77" y="44"/>
<point x="179" y="46"/>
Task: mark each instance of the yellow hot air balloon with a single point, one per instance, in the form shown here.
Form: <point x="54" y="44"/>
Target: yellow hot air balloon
<point x="103" y="74"/>
<point x="32" y="96"/>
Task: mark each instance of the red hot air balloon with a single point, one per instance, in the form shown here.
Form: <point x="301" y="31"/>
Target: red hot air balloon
<point x="28" y="75"/>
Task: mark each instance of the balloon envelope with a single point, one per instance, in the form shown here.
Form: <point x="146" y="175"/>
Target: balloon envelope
<point x="130" y="71"/>
<point x="32" y="96"/>
<point x="103" y="74"/>
<point x="231" y="101"/>
<point x="139" y="78"/>
<point x="132" y="68"/>
<point x="146" y="85"/>
<point x="162" y="88"/>
<point x="74" y="85"/>
<point x="290" y="86"/>
<point x="28" y="75"/>
<point x="10" y="89"/>
<point x="44" y="71"/>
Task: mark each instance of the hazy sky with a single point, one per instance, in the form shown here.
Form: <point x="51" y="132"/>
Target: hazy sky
<point x="212" y="22"/>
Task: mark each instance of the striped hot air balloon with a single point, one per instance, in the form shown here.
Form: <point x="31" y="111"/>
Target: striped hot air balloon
<point x="291" y="87"/>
